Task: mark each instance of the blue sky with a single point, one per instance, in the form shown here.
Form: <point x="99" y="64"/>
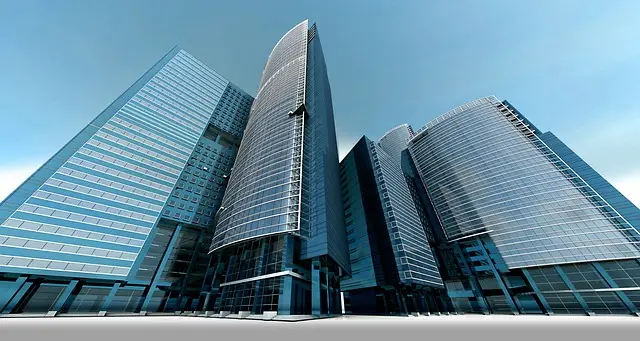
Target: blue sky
<point x="570" y="66"/>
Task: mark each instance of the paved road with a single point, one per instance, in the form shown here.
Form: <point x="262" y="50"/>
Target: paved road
<point x="352" y="328"/>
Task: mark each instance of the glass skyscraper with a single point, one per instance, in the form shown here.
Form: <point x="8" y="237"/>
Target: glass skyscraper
<point x="187" y="195"/>
<point x="393" y="267"/>
<point x="118" y="220"/>
<point x="279" y="241"/>
<point x="525" y="232"/>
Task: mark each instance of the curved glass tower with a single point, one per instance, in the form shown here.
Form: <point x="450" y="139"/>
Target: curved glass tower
<point x="264" y="192"/>
<point x="488" y="173"/>
<point x="395" y="140"/>
<point x="280" y="232"/>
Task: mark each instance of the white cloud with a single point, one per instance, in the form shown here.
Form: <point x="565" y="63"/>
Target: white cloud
<point x="12" y="176"/>
<point x="629" y="186"/>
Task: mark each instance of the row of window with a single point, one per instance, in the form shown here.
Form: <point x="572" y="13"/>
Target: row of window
<point x="34" y="244"/>
<point x="45" y="264"/>
<point x="84" y="190"/>
<point x="71" y="232"/>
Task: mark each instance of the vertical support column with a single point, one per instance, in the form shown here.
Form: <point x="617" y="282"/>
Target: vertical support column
<point x="496" y="274"/>
<point x="10" y="290"/>
<point x="163" y="263"/>
<point x="63" y="298"/>
<point x="577" y="295"/>
<point x="316" y="306"/>
<point x="337" y="305"/>
<point x="415" y="302"/>
<point x="623" y="297"/>
<point x="534" y="286"/>
<point x="401" y="302"/>
<point x="425" y="305"/>
<point x="398" y="301"/>
<point x="207" y="299"/>
<point x="108" y="299"/>
<point x="442" y="304"/>
<point x="329" y="295"/>
<point x="384" y="302"/>
<point x="285" y="301"/>
<point x="432" y="301"/>
<point x="10" y="298"/>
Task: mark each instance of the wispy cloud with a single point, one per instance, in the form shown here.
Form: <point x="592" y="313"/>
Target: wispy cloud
<point x="12" y="176"/>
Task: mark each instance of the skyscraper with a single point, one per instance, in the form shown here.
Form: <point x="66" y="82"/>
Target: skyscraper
<point x="395" y="141"/>
<point x="525" y="232"/>
<point x="279" y="241"/>
<point x="393" y="268"/>
<point x="187" y="195"/>
<point x="117" y="219"/>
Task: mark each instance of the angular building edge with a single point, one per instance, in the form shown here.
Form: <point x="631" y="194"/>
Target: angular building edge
<point x="33" y="182"/>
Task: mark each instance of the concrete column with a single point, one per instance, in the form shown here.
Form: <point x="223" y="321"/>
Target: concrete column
<point x="63" y="298"/>
<point x="10" y="290"/>
<point x="425" y="304"/>
<point x="108" y="299"/>
<point x="329" y="295"/>
<point x="10" y="298"/>
<point x="285" y="304"/>
<point x="316" y="306"/>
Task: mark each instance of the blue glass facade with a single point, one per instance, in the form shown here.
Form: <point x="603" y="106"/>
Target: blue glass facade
<point x="114" y="222"/>
<point x="166" y="203"/>
<point x="264" y="192"/>
<point x="487" y="172"/>
<point x="393" y="268"/>
<point x="279" y="239"/>
<point x="609" y="193"/>
<point x="395" y="141"/>
<point x="521" y="224"/>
